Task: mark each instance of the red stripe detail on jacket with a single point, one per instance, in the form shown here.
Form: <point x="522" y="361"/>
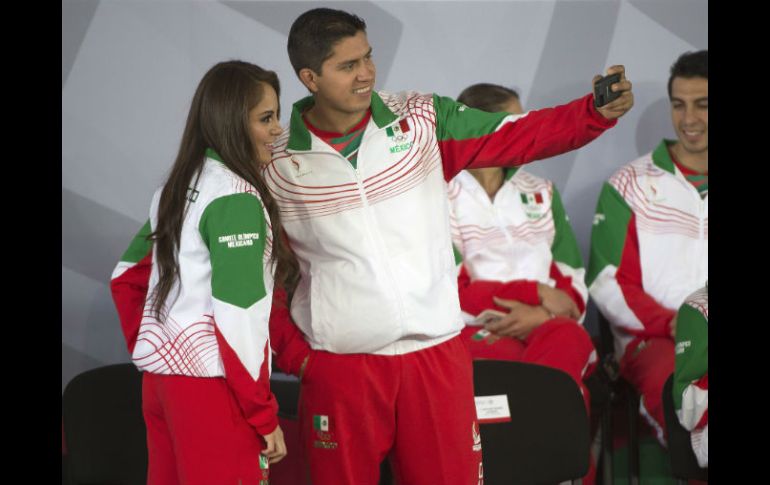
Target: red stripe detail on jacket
<point x="129" y="291"/>
<point x="254" y="397"/>
<point x="655" y="317"/>
<point x="476" y="296"/>
<point x="564" y="283"/>
<point x="286" y="338"/>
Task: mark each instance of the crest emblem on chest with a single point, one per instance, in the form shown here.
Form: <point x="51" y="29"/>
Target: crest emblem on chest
<point x="398" y="137"/>
<point x="533" y="204"/>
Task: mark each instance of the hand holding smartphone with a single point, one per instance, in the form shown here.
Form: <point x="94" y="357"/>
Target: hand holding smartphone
<point x="603" y="93"/>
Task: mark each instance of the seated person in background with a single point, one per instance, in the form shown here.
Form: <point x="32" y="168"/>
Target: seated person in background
<point x="649" y="243"/>
<point x="518" y="255"/>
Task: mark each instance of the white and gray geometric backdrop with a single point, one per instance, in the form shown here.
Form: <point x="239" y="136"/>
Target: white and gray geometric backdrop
<point x="129" y="69"/>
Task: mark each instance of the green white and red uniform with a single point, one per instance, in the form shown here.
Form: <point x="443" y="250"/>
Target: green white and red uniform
<point x="691" y="371"/>
<point x="649" y="251"/>
<point x="504" y="248"/>
<point x="206" y="361"/>
<point x="377" y="297"/>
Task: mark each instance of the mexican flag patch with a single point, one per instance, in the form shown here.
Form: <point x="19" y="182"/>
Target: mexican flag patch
<point x="531" y="199"/>
<point x="533" y="204"/>
<point x="321" y="423"/>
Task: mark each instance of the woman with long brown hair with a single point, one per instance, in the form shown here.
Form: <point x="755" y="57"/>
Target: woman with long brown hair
<point x="201" y="334"/>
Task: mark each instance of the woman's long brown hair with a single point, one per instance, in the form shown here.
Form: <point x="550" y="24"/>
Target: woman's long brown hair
<point x="218" y="119"/>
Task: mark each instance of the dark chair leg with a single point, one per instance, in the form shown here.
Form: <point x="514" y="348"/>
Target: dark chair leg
<point x="386" y="474"/>
<point x="633" y="435"/>
<point x="606" y="437"/>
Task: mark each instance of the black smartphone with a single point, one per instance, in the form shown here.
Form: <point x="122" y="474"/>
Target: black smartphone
<point x="602" y="92"/>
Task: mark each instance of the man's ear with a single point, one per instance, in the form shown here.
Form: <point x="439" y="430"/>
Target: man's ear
<point x="309" y="78"/>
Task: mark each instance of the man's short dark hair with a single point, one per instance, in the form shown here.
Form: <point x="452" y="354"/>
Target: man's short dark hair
<point x="486" y="96"/>
<point x="314" y="33"/>
<point x="690" y="65"/>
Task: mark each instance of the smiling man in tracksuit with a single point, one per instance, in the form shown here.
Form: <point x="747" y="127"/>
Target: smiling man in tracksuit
<point x="361" y="179"/>
<point x="649" y="244"/>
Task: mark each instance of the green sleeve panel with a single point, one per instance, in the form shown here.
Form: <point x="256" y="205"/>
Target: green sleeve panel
<point x="139" y="246"/>
<point x="234" y="229"/>
<point x="458" y="255"/>
<point x="691" y="358"/>
<point x="455" y="121"/>
<point x="565" y="248"/>
<point x="608" y="236"/>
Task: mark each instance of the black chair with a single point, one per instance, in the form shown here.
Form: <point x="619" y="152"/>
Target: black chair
<point x="547" y="439"/>
<point x="286" y="391"/>
<point x="620" y="390"/>
<point x="684" y="465"/>
<point x="599" y="386"/>
<point x="104" y="428"/>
